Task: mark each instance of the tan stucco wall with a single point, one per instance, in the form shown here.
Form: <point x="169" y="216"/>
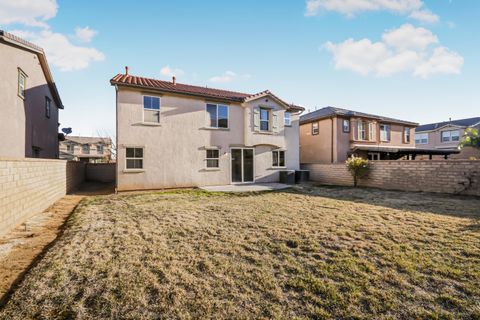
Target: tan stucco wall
<point x="316" y="148"/>
<point x="23" y="123"/>
<point x="435" y="138"/>
<point x="174" y="151"/>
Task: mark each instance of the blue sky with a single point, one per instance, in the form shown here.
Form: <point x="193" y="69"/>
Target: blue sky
<point x="411" y="59"/>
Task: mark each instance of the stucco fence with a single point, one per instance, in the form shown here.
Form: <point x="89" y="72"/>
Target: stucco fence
<point x="440" y="176"/>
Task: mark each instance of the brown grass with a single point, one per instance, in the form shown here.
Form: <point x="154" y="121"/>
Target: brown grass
<point x="311" y="252"/>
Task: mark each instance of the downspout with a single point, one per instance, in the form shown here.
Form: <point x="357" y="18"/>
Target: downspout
<point x="331" y="147"/>
<point x="116" y="139"/>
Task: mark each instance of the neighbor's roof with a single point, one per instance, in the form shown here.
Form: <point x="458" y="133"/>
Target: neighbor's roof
<point x="460" y="123"/>
<point x="333" y="111"/>
<point x="89" y="140"/>
<point x="26" y="45"/>
<point x="406" y="150"/>
<point x="179" y="88"/>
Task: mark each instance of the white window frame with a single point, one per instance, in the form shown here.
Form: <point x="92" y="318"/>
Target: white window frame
<point x="88" y="148"/>
<point x="346" y="128"/>
<point x="22" y="85"/>
<point x="208" y="115"/>
<point x="71" y="145"/>
<point x="101" y="150"/>
<point x="287" y="120"/>
<point x="212" y="158"/>
<point x="372" y="126"/>
<point x="361" y="131"/>
<point x="407" y="133"/>
<point x="278" y="158"/>
<point x="135" y="158"/>
<point x="420" y="138"/>
<point x="387" y="131"/>
<point x="373" y="156"/>
<point x="449" y="136"/>
<point x="143" y="108"/>
<point x="269" y="124"/>
<point x="315" y="131"/>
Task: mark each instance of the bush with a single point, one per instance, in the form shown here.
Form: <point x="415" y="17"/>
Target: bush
<point x="358" y="168"/>
<point x="471" y="138"/>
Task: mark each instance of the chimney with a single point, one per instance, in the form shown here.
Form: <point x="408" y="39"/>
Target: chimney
<point x="174" y="80"/>
<point x="126" y="70"/>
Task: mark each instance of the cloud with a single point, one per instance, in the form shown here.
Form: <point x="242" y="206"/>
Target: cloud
<point x="228" y="76"/>
<point x="170" y="72"/>
<point x="29" y="13"/>
<point x="405" y="49"/>
<point x="413" y="8"/>
<point x="85" y="34"/>
<point x="60" y="52"/>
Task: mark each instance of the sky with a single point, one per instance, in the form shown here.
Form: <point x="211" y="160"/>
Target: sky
<point x="409" y="59"/>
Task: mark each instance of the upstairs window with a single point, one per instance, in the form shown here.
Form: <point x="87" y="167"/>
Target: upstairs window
<point x="372" y="131"/>
<point x="287" y="119"/>
<point x="48" y="107"/>
<point x="151" y="109"/>
<point x="361" y="131"/>
<point x="22" y="83"/>
<point x="448" y="136"/>
<point x="406" y="135"/>
<point x="315" y="128"/>
<point x="134" y="158"/>
<point x="264" y="119"/>
<point x="346" y="126"/>
<point x="100" y="149"/>
<point x="70" y="147"/>
<point x="85" y="148"/>
<point x="218" y="115"/>
<point x="278" y="158"/>
<point x="384" y="132"/>
<point x="212" y="158"/>
<point x="421" y="138"/>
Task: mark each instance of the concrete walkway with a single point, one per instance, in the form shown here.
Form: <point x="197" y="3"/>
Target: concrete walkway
<point x="247" y="187"/>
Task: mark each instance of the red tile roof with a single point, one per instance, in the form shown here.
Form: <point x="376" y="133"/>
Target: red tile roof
<point x="167" y="86"/>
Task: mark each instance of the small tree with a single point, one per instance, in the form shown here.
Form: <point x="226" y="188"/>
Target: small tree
<point x="358" y="168"/>
<point x="471" y="138"/>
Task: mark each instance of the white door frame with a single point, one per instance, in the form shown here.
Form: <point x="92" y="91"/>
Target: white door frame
<point x="253" y="164"/>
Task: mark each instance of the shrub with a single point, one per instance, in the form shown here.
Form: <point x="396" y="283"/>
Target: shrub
<point x="471" y="138"/>
<point x="358" y="168"/>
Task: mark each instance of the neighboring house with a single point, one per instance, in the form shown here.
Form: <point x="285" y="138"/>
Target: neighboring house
<point x="446" y="136"/>
<point x="177" y="135"/>
<point x="87" y="149"/>
<point x="29" y="101"/>
<point x="331" y="135"/>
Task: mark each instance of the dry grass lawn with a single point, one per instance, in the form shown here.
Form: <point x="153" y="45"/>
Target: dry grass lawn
<point x="310" y="252"/>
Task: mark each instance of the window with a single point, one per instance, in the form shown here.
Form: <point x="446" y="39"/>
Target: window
<point x="264" y="119"/>
<point x="22" y="83"/>
<point x="85" y="148"/>
<point x="278" y="158"/>
<point x="315" y="128"/>
<point x="212" y="158"/>
<point x="346" y="126"/>
<point x="453" y="135"/>
<point x="151" y="109"/>
<point x="134" y="158"/>
<point x="218" y="115"/>
<point x="362" y="132"/>
<point x="287" y="118"/>
<point x="406" y="135"/>
<point x="71" y="148"/>
<point x="100" y="149"/>
<point x="385" y="132"/>
<point x="372" y="131"/>
<point x="421" y="138"/>
<point x="374" y="156"/>
<point x="48" y="106"/>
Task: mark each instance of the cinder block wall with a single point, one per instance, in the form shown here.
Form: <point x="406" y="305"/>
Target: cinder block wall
<point x="442" y="176"/>
<point x="29" y="186"/>
<point x="101" y="172"/>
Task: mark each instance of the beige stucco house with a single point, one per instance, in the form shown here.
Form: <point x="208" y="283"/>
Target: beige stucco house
<point x="29" y="101"/>
<point x="446" y="136"/>
<point x="331" y="135"/>
<point x="86" y="149"/>
<point x="177" y="135"/>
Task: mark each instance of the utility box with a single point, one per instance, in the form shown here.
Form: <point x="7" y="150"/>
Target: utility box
<point x="302" y="176"/>
<point x="287" y="176"/>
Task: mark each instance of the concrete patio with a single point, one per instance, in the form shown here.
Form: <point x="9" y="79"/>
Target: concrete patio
<point x="251" y="187"/>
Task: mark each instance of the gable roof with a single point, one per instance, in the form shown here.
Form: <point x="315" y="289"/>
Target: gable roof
<point x="26" y="45"/>
<point x="333" y="111"/>
<point x="186" y="89"/>
<point x="89" y="140"/>
<point x="460" y="123"/>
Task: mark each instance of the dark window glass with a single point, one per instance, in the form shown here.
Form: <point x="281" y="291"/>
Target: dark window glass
<point x="281" y="161"/>
<point x="264" y="119"/>
<point x="275" y="158"/>
<point x="212" y="112"/>
<point x="222" y="116"/>
<point x="151" y="103"/>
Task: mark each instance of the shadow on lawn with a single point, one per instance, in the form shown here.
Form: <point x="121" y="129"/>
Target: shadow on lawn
<point x="444" y="204"/>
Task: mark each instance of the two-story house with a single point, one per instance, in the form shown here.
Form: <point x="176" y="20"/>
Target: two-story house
<point x="446" y="136"/>
<point x="87" y="149"/>
<point x="29" y="101"/>
<point x="177" y="135"/>
<point x="331" y="135"/>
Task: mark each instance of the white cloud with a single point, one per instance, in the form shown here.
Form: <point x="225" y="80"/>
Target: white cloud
<point x="85" y="34"/>
<point x="228" y="76"/>
<point x="29" y="13"/>
<point x="170" y="72"/>
<point x="406" y="49"/>
<point x="413" y="8"/>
